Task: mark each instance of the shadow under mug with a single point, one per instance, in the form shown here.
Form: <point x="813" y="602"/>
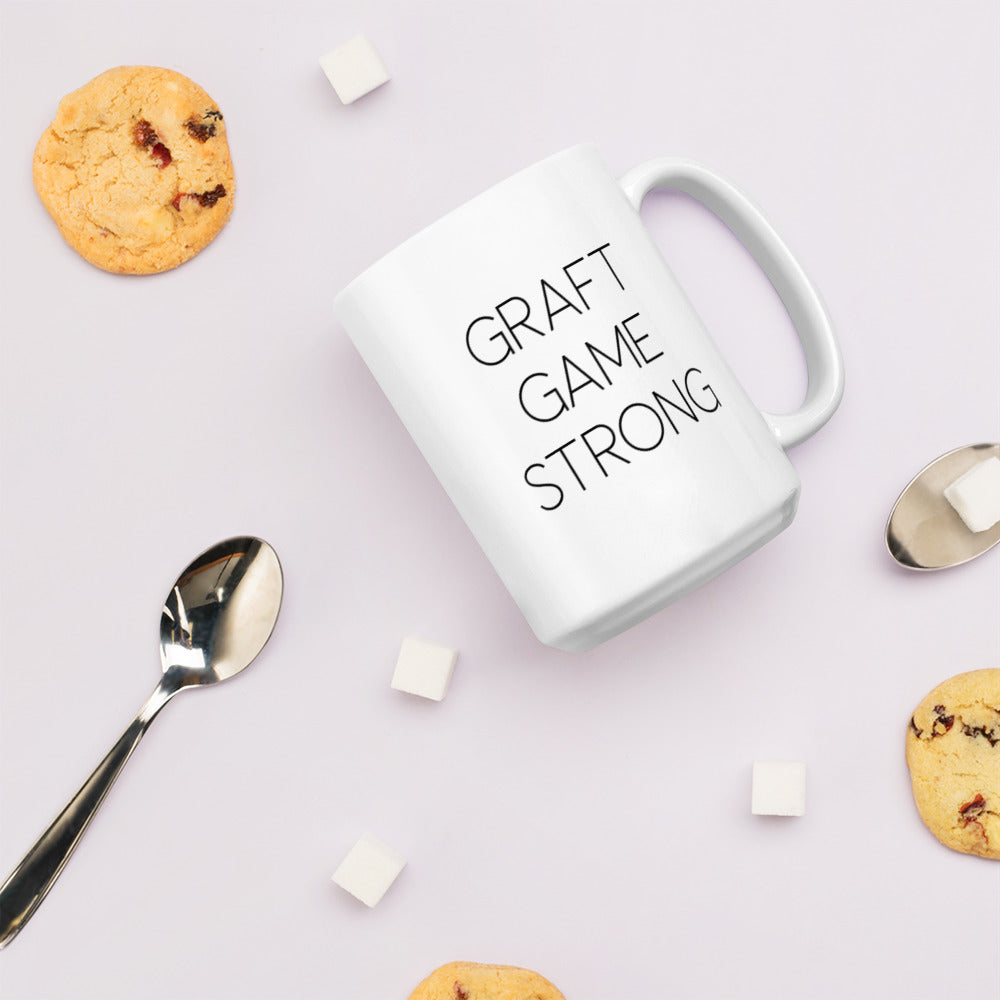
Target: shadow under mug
<point x="572" y="404"/>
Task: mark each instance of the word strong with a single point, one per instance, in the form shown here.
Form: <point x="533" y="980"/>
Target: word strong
<point x="602" y="353"/>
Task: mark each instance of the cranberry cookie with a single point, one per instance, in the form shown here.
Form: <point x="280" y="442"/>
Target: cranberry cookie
<point x="135" y="170"/>
<point x="953" y="752"/>
<point x="472" y="981"/>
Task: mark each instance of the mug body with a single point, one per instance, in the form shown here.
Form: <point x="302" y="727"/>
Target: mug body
<point x="572" y="404"/>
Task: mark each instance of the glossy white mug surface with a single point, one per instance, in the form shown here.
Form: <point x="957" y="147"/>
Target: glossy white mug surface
<point x="573" y="405"/>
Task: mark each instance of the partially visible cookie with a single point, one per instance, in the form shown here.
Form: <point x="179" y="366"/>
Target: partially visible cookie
<point x="135" y="170"/>
<point x="953" y="752"/>
<point x="473" y="981"/>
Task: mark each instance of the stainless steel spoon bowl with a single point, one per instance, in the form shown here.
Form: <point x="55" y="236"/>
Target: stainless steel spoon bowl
<point x="924" y="530"/>
<point x="216" y="619"/>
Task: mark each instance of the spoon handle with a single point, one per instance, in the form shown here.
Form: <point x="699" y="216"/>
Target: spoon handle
<point x="31" y="880"/>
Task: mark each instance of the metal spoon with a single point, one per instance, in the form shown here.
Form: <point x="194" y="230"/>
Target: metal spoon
<point x="215" y="621"/>
<point x="924" y="530"/>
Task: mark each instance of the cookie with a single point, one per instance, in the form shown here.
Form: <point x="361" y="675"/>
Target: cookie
<point x="135" y="170"/>
<point x="953" y="752"/>
<point x="472" y="981"/>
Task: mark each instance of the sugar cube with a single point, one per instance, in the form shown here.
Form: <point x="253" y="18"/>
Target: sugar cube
<point x="424" y="668"/>
<point x="976" y="495"/>
<point x="779" y="788"/>
<point x="369" y="869"/>
<point x="354" y="69"/>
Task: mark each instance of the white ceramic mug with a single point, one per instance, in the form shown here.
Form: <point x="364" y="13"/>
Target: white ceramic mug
<point x="570" y="401"/>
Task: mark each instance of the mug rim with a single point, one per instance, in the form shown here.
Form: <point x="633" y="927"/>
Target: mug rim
<point x="490" y="191"/>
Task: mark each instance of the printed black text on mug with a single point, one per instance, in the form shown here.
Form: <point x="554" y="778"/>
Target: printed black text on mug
<point x="641" y="426"/>
<point x="492" y="343"/>
<point x="546" y="396"/>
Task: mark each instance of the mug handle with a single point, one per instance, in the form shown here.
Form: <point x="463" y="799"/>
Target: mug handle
<point x="824" y="365"/>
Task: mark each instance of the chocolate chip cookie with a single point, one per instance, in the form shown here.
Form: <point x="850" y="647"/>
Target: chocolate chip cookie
<point x="472" y="981"/>
<point x="953" y="752"/>
<point x="135" y="170"/>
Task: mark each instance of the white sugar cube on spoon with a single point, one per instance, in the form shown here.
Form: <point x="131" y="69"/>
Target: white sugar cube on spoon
<point x="975" y="495"/>
<point x="949" y="512"/>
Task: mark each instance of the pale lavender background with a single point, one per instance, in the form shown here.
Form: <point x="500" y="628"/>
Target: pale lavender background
<point x="584" y="815"/>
